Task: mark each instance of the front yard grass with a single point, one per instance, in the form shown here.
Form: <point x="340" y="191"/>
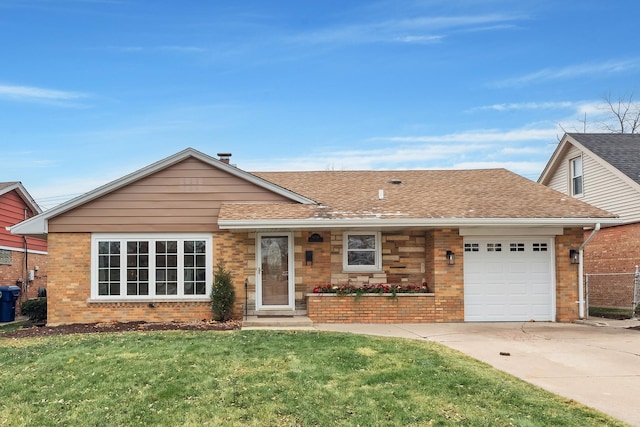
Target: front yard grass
<point x="264" y="378"/>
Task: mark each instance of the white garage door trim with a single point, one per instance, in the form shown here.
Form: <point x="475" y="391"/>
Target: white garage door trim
<point x="509" y="278"/>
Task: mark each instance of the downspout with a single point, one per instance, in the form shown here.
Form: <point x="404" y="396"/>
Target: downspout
<point x="25" y="283"/>
<point x="581" y="271"/>
<point x="24" y="292"/>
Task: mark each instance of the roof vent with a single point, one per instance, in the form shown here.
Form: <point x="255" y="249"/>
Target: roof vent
<point x="224" y="157"/>
<point x="395" y="181"/>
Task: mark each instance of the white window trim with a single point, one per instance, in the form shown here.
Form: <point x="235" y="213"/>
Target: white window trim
<point x="376" y="268"/>
<point x="571" y="176"/>
<point x="151" y="237"/>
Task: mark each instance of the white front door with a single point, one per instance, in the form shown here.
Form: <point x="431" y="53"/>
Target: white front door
<point x="509" y="279"/>
<point x="274" y="272"/>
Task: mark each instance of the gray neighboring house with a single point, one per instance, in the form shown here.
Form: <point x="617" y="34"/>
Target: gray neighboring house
<point x="603" y="170"/>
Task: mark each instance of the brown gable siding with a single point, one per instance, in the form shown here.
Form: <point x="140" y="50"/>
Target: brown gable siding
<point x="181" y="198"/>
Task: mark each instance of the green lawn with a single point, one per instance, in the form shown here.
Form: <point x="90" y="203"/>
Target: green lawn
<point x="263" y="378"/>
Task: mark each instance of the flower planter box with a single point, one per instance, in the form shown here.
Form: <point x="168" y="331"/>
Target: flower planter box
<point x="372" y="308"/>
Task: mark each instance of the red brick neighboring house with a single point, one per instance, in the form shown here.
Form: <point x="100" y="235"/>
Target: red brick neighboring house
<point x="604" y="171"/>
<point x="23" y="260"/>
<point x="490" y="244"/>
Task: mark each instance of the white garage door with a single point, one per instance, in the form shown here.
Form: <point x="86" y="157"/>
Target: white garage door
<point x="509" y="279"/>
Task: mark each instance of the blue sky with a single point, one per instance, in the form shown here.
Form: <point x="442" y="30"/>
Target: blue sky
<point x="91" y="90"/>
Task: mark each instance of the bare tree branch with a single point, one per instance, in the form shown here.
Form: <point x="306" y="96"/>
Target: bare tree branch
<point x="625" y="112"/>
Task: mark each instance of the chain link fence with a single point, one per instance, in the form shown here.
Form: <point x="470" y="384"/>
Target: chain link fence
<point x="613" y="292"/>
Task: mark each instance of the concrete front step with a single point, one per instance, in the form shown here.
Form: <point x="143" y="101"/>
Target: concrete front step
<point x="276" y="322"/>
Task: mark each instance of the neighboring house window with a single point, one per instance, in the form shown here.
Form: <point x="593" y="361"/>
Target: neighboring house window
<point x="151" y="266"/>
<point x="362" y="252"/>
<point x="5" y="257"/>
<point x="576" y="176"/>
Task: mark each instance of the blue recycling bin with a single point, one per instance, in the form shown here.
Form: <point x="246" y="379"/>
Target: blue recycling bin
<point x="8" y="297"/>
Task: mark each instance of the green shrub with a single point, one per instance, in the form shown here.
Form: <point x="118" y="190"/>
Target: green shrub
<point x="36" y="309"/>
<point x="223" y="295"/>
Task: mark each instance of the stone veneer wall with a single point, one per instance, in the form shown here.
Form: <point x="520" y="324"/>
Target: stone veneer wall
<point x="238" y="251"/>
<point x="403" y="260"/>
<point x="412" y="256"/>
<point x="447" y="283"/>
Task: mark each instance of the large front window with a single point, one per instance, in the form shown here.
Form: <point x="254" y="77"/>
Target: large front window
<point x="151" y="266"/>
<point x="362" y="251"/>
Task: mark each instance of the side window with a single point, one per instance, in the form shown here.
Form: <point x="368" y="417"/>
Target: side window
<point x="362" y="252"/>
<point x="576" y="176"/>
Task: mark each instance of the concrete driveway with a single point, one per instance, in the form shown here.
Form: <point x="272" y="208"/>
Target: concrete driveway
<point x="594" y="363"/>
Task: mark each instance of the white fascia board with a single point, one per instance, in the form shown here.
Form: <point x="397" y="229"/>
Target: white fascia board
<point x="552" y="164"/>
<point x="429" y="222"/>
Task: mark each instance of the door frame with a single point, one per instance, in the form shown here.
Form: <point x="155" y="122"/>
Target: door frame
<point x="290" y="271"/>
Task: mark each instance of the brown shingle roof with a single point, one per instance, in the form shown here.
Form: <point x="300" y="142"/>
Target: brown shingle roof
<point x="420" y="194"/>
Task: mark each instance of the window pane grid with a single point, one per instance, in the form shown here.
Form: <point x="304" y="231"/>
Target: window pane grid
<point x="362" y="251"/>
<point x="153" y="267"/>
<point x="516" y="247"/>
<point x="576" y="176"/>
<point x="195" y="267"/>
<point x="138" y="268"/>
<point x="109" y="268"/>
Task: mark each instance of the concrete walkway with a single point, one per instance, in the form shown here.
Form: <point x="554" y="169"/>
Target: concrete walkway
<point x="594" y="363"/>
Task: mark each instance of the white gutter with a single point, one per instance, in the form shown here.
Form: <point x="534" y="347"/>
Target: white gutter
<point x="581" y="271"/>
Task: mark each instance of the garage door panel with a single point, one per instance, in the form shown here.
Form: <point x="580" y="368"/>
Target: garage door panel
<point x="513" y="284"/>
<point x="518" y="290"/>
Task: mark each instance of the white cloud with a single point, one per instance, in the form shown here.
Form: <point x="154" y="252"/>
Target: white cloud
<point x="420" y="39"/>
<point x="571" y="71"/>
<point x="527" y="169"/>
<point x="414" y="30"/>
<point x="518" y="151"/>
<point x="155" y="49"/>
<point x="490" y="136"/>
<point x="527" y="106"/>
<point x="36" y="93"/>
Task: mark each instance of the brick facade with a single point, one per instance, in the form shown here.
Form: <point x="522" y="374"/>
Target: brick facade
<point x="413" y="257"/>
<point x="69" y="290"/>
<point x="404" y="308"/>
<point x="613" y="250"/>
<point x="615" y="253"/>
<point x="567" y="308"/>
<point x="447" y="282"/>
<point x="14" y="274"/>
